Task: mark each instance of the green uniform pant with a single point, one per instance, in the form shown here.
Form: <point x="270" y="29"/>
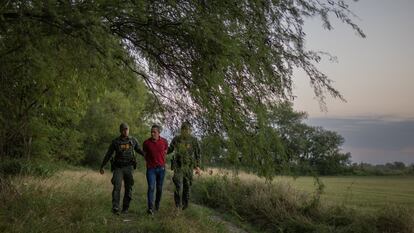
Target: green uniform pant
<point x="182" y="180"/>
<point x="119" y="174"/>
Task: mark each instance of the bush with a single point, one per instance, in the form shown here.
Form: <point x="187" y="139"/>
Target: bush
<point x="280" y="208"/>
<point x="100" y="124"/>
<point x="12" y="167"/>
<point x="395" y="219"/>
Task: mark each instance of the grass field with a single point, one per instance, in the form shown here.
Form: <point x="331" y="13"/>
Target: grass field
<point x="349" y="204"/>
<point x="79" y="200"/>
<point x="362" y="192"/>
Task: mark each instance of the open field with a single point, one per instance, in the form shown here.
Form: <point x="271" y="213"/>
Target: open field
<point x="367" y="193"/>
<point x="362" y="192"/>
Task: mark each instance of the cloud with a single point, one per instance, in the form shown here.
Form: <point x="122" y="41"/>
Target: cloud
<point x="408" y="150"/>
<point x="373" y="139"/>
<point x="379" y="156"/>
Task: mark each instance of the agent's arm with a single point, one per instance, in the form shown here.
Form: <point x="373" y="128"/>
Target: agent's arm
<point x="138" y="149"/>
<point x="197" y="156"/>
<point x="172" y="146"/>
<point x="107" y="157"/>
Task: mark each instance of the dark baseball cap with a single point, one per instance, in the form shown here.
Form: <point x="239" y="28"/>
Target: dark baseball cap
<point x="123" y="126"/>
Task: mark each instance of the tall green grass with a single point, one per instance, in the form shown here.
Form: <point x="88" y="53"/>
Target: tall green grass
<point x="280" y="208"/>
<point x="80" y="201"/>
<point x="13" y="167"/>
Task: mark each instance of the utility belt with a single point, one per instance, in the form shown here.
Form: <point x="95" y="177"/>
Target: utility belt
<point x="121" y="164"/>
<point x="178" y="164"/>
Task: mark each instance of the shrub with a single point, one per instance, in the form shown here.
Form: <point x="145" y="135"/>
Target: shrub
<point x="280" y="208"/>
<point x="11" y="167"/>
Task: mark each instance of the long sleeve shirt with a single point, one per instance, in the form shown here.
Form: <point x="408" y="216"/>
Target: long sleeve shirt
<point x="155" y="152"/>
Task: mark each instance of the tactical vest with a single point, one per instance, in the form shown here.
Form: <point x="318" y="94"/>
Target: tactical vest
<point x="124" y="152"/>
<point x="184" y="152"/>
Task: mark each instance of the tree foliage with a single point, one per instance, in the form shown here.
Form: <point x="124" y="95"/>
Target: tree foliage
<point x="309" y="149"/>
<point x="289" y="146"/>
<point x="221" y="64"/>
<point x="53" y="71"/>
<point x="101" y="123"/>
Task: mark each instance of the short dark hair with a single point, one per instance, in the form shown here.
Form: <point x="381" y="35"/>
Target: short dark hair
<point x="186" y="125"/>
<point x="155" y="126"/>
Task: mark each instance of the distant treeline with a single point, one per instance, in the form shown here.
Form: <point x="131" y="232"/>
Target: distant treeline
<point x="357" y="169"/>
<point x="395" y="168"/>
<point x="290" y="146"/>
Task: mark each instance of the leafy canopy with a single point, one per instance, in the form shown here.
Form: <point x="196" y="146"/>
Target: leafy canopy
<point x="221" y="64"/>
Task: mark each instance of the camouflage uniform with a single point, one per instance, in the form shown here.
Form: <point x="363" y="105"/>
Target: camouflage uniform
<point x="122" y="166"/>
<point x="186" y="158"/>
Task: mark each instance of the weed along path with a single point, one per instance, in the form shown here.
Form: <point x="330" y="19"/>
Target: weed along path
<point x="172" y="220"/>
<point x="231" y="227"/>
<point x="278" y="206"/>
<point x="367" y="193"/>
<point x="80" y="201"/>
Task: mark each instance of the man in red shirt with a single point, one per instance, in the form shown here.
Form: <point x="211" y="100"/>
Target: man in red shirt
<point x="155" y="150"/>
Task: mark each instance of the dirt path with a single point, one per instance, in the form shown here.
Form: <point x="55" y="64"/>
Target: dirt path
<point x="215" y="217"/>
<point x="231" y="227"/>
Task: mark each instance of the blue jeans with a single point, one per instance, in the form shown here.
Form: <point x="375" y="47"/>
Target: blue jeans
<point x="155" y="179"/>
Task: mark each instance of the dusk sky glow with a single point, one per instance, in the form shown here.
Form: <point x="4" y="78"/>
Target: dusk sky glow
<point x="376" y="77"/>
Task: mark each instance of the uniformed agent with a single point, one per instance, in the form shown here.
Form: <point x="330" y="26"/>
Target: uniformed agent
<point x="185" y="160"/>
<point x="122" y="166"/>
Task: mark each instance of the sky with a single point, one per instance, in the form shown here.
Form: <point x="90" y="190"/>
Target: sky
<point x="375" y="75"/>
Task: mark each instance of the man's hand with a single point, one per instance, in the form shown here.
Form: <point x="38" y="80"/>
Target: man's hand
<point x="197" y="171"/>
<point x="102" y="171"/>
